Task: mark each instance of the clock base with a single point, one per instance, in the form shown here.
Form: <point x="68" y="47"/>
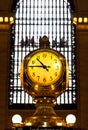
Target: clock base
<point x="45" y="116"/>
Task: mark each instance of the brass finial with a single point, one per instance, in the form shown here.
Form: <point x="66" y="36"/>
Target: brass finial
<point x="44" y="42"/>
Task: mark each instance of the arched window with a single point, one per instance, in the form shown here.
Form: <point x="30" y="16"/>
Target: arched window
<point x="35" y="18"/>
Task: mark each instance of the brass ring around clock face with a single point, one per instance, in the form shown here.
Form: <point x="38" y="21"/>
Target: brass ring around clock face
<point x="44" y="72"/>
<point x="44" y="67"/>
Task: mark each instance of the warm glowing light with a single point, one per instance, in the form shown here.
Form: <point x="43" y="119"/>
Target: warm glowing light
<point x="28" y="124"/>
<point x="70" y="119"/>
<point x="75" y="20"/>
<point x="16" y="119"/>
<point x="6" y="19"/>
<point x="59" y="123"/>
<point x="36" y="87"/>
<point x="1" y="19"/>
<point x="80" y="19"/>
<point x="52" y="87"/>
<point x="85" y="20"/>
<point x="45" y="124"/>
<point x="11" y="19"/>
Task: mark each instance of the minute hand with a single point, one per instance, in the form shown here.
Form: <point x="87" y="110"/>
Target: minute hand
<point x="44" y="66"/>
<point x="37" y="66"/>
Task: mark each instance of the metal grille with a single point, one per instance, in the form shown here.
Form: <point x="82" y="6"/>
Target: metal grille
<point x="35" y="18"/>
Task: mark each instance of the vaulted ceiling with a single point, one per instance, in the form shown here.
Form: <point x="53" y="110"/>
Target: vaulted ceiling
<point x="81" y="6"/>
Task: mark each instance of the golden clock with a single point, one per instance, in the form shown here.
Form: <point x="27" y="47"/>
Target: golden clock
<point x="44" y="71"/>
<point x="44" y="75"/>
<point x="44" y="67"/>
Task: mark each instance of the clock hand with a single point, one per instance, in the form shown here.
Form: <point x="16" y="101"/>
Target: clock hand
<point x="44" y="66"/>
<point x="34" y="66"/>
<point x="37" y="66"/>
<point x="40" y="62"/>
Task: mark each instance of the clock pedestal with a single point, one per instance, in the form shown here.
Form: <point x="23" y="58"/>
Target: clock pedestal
<point x="44" y="76"/>
<point x="45" y="115"/>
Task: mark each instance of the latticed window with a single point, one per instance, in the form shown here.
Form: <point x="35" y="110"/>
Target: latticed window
<point x="34" y="19"/>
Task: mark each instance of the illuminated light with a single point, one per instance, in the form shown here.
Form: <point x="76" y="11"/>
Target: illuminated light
<point x="6" y="19"/>
<point x="41" y="101"/>
<point x="54" y="100"/>
<point x="1" y="19"/>
<point x="56" y="93"/>
<point x="52" y="87"/>
<point x="75" y="20"/>
<point x="16" y="119"/>
<point x="48" y="101"/>
<point x="45" y="98"/>
<point x="33" y="93"/>
<point x="59" y="123"/>
<point x="80" y="19"/>
<point x="44" y="124"/>
<point x="35" y="100"/>
<point x="36" y="87"/>
<point x="28" y="124"/>
<point x="70" y="119"/>
<point x="85" y="20"/>
<point x="11" y="19"/>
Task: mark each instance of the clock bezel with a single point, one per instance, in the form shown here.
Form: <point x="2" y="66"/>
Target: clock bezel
<point x="59" y="55"/>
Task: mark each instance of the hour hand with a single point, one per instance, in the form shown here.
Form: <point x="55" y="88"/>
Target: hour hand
<point x="44" y="66"/>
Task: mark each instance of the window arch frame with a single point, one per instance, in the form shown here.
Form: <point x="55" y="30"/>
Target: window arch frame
<point x="25" y="105"/>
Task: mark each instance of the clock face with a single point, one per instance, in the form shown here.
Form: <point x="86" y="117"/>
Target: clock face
<point x="44" y="68"/>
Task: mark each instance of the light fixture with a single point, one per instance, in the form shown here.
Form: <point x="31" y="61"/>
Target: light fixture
<point x="75" y="20"/>
<point x="85" y="20"/>
<point x="11" y="19"/>
<point x="70" y="119"/>
<point x="1" y="19"/>
<point x="59" y="124"/>
<point x="45" y="124"/>
<point x="7" y="19"/>
<point x="80" y="19"/>
<point x="16" y="120"/>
